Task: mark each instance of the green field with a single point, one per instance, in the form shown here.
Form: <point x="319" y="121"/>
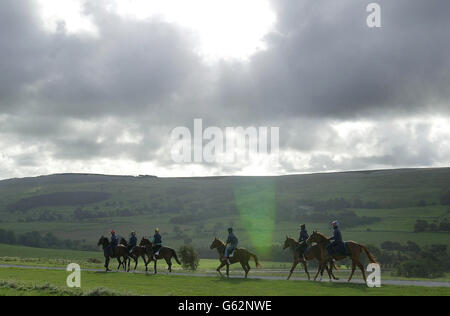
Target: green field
<point x="25" y="280"/>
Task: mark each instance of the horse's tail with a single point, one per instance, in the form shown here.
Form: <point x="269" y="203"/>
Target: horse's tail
<point x="371" y="258"/>
<point x="174" y="254"/>
<point x="256" y="260"/>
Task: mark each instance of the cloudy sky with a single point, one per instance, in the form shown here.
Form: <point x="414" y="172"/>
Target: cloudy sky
<point x="98" y="86"/>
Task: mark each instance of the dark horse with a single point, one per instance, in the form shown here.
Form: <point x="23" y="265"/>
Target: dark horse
<point x="163" y="253"/>
<point x="137" y="252"/>
<point x="120" y="252"/>
<point x="354" y="248"/>
<point x="241" y="255"/>
<point x="313" y="253"/>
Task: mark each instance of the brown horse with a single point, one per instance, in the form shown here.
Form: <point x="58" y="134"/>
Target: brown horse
<point x="163" y="253"/>
<point x="313" y="253"/>
<point x="241" y="255"/>
<point x="120" y="252"/>
<point x="354" y="248"/>
<point x="137" y="252"/>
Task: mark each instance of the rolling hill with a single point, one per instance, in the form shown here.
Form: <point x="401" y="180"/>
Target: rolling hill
<point x="372" y="206"/>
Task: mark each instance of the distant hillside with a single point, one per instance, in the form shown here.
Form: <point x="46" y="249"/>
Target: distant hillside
<point x="373" y="206"/>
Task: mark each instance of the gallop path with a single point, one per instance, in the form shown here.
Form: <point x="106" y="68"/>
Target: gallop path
<point x="263" y="277"/>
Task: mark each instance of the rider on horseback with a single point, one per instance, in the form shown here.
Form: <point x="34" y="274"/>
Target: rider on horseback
<point x="337" y="243"/>
<point x="132" y="242"/>
<point x="157" y="243"/>
<point x="231" y="244"/>
<point x="113" y="244"/>
<point x="303" y="247"/>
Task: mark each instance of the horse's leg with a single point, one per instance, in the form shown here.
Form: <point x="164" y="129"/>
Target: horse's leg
<point x="245" y="268"/>
<point x="169" y="263"/>
<point x="220" y="267"/>
<point x="328" y="271"/>
<point x="306" y="269"/>
<point x="107" y="263"/>
<point x="353" y="271"/>
<point x="332" y="274"/>
<point x="248" y="267"/>
<point x="362" y="270"/>
<point x="145" y="262"/>
<point x="318" y="270"/>
<point x="228" y="270"/>
<point x="293" y="268"/>
<point x="155" y="266"/>
<point x="120" y="263"/>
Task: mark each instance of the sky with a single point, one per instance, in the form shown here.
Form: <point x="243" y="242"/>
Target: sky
<point x="98" y="86"/>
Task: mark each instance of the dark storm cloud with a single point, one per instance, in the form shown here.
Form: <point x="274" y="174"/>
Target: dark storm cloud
<point x="74" y="96"/>
<point x="323" y="61"/>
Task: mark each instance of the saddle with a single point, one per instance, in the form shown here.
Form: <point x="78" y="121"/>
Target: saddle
<point x="341" y="250"/>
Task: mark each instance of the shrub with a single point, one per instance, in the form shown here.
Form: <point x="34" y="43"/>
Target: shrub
<point x="420" y="269"/>
<point x="189" y="257"/>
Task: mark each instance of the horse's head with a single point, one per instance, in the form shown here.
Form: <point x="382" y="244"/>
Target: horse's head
<point x="102" y="241"/>
<point x="315" y="237"/>
<point x="288" y="242"/>
<point x="144" y="242"/>
<point x="123" y="241"/>
<point x="216" y="243"/>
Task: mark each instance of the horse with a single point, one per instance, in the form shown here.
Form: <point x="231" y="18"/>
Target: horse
<point x="354" y="248"/>
<point x="119" y="252"/>
<point x="241" y="255"/>
<point x="163" y="253"/>
<point x="313" y="253"/>
<point x="138" y="251"/>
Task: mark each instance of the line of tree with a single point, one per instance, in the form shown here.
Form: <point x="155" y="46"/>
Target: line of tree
<point x="37" y="240"/>
<point x="339" y="204"/>
<point x="423" y="226"/>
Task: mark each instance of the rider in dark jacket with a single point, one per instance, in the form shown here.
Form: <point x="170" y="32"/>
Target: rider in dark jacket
<point x="132" y="242"/>
<point x="303" y="234"/>
<point x="303" y="247"/>
<point x="337" y="244"/>
<point x="157" y="243"/>
<point x="113" y="244"/>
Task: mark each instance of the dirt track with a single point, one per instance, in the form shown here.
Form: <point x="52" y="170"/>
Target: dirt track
<point x="355" y="281"/>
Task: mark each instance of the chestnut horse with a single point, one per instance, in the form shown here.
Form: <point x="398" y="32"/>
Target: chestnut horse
<point x="163" y="253"/>
<point x="241" y="255"/>
<point x="120" y="252"/>
<point x="313" y="253"/>
<point x="138" y="251"/>
<point x="354" y="248"/>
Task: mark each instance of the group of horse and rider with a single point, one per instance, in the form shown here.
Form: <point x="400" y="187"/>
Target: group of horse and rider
<point x="148" y="250"/>
<point x="326" y="250"/>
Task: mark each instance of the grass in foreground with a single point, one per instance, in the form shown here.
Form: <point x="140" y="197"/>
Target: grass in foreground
<point x="141" y="284"/>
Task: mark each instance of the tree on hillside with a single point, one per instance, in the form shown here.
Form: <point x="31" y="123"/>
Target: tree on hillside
<point x="420" y="226"/>
<point x="445" y="198"/>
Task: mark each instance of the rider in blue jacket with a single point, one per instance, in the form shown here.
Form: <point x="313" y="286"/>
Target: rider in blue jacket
<point x="232" y="243"/>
